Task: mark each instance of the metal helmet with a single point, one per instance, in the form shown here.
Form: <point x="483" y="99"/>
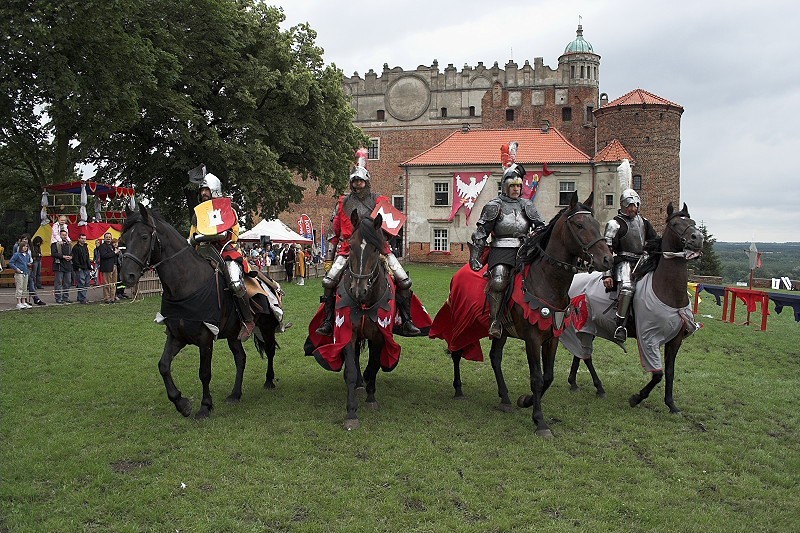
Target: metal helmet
<point x="628" y="197"/>
<point x="212" y="183"/>
<point x="360" y="171"/>
<point x="512" y="176"/>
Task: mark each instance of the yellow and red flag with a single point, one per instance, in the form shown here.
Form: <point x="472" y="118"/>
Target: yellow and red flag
<point x="215" y="216"/>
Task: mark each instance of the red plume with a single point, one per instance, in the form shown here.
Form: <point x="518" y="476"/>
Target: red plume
<point x="361" y="157"/>
<point x="508" y="154"/>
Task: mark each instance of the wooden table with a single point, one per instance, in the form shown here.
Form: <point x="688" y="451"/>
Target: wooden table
<point x="750" y="298"/>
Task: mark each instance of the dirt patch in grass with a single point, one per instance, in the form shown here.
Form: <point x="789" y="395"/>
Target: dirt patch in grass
<point x="125" y="466"/>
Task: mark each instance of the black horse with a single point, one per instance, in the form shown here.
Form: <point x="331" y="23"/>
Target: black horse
<point x="668" y="262"/>
<point x="186" y="279"/>
<point x="552" y="256"/>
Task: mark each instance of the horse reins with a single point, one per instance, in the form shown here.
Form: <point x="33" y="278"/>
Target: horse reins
<point x="685" y="254"/>
<point x="145" y="265"/>
<point x="585" y="254"/>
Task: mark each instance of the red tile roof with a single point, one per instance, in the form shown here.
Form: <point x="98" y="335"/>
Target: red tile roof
<point x="640" y="97"/>
<point x="614" y="151"/>
<point x="482" y="147"/>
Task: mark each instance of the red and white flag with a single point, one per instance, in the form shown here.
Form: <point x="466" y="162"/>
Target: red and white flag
<point x="393" y="218"/>
<point x="467" y="186"/>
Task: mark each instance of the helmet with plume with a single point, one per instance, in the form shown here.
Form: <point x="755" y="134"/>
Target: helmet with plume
<point x="513" y="172"/>
<point x="360" y="172"/>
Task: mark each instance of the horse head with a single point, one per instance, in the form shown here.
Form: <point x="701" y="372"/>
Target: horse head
<point x="364" y="265"/>
<point x="141" y="241"/>
<point x="579" y="232"/>
<point x="681" y="233"/>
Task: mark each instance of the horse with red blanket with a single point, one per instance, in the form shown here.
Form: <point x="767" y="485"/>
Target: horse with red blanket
<point x="538" y="306"/>
<point x="365" y="312"/>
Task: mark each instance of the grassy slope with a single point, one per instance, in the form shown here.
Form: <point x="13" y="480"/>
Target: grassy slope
<point x="89" y="441"/>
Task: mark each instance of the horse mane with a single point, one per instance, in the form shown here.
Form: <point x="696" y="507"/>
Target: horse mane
<point x="369" y="233"/>
<point x="534" y="244"/>
<point x="653" y="250"/>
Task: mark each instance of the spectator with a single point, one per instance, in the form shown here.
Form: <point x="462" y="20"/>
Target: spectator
<point x="22" y="239"/>
<point x="82" y="267"/>
<point x="57" y="228"/>
<point x="300" y="259"/>
<point x="2" y="257"/>
<point x="288" y="262"/>
<point x="19" y="262"/>
<point x="31" y="283"/>
<point x="36" y="255"/>
<point x="62" y="268"/>
<point x="108" y="268"/>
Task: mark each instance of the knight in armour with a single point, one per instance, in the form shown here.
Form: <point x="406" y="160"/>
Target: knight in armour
<point x="362" y="200"/>
<point x="626" y="235"/>
<point x="226" y="244"/>
<point x="507" y="219"/>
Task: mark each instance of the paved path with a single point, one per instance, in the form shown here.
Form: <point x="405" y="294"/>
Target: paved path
<point x="8" y="301"/>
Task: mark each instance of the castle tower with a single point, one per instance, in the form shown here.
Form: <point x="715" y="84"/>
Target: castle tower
<point x="649" y="127"/>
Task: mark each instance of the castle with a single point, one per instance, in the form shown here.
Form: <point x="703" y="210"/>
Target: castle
<point x="408" y="113"/>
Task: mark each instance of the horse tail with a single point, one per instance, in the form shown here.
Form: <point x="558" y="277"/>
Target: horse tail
<point x="264" y="335"/>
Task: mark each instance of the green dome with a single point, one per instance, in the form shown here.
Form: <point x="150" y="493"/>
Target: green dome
<point x="579" y="45"/>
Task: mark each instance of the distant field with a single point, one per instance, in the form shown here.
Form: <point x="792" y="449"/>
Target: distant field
<point x="779" y="259"/>
<point x="89" y="441"/>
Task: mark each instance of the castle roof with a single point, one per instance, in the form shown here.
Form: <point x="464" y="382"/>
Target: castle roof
<point x="579" y="45"/>
<point x="613" y="152"/>
<point x="482" y="147"/>
<point x="642" y="97"/>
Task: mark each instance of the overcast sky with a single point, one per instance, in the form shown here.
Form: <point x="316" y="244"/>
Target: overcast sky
<point x="732" y="65"/>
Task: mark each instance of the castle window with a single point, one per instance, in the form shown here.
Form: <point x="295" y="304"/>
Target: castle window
<point x="595" y="72"/>
<point x="589" y="110"/>
<point x="609" y="200"/>
<point x="509" y="115"/>
<point x="637" y="183"/>
<point x="565" y="190"/>
<point x="399" y="202"/>
<point x="572" y="71"/>
<point x="374" y="150"/>
<point x="444" y="112"/>
<point x="441" y="240"/>
<point x="381" y="114"/>
<point x="583" y="69"/>
<point x="661" y="116"/>
<point x="472" y="110"/>
<point x="566" y="114"/>
<point x="441" y="193"/>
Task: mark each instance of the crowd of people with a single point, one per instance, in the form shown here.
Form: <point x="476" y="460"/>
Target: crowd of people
<point x="295" y="258"/>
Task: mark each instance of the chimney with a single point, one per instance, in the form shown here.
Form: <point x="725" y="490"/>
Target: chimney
<point x="465" y="128"/>
<point x="545" y="126"/>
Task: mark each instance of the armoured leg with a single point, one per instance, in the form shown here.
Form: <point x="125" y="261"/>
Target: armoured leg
<point x="498" y="282"/>
<point x="242" y="300"/>
<point x="624" y="299"/>
<point x="329" y="283"/>
<point x="403" y="283"/>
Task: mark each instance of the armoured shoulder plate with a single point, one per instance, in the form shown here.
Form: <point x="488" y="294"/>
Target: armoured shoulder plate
<point x="633" y="240"/>
<point x="364" y="207"/>
<point x="533" y="213"/>
<point x="491" y="210"/>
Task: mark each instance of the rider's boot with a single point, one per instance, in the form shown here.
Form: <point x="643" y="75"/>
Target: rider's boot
<point x="495" y="300"/>
<point x="329" y="299"/>
<point x="623" y="304"/>
<point x="248" y="321"/>
<point x="404" y="308"/>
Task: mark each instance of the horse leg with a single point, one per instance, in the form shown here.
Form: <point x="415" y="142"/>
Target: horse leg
<point x="207" y="404"/>
<point x="240" y="359"/>
<point x="533" y="349"/>
<point x="496" y="357"/>
<point x="637" y="398"/>
<point x="371" y="373"/>
<point x="456" y="357"/>
<point x="601" y="392"/>
<point x="171" y="349"/>
<point x="549" y="348"/>
<point x="573" y="374"/>
<point x="670" y="354"/>
<point x="269" y="348"/>
<point x="350" y="376"/>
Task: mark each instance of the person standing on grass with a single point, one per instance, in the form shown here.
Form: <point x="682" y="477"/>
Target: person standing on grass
<point x="108" y="268"/>
<point x="288" y="262"/>
<point x="62" y="267"/>
<point x="19" y="262"/>
<point x="82" y="266"/>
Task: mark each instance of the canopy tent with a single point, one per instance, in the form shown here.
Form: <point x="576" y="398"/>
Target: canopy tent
<point x="276" y="230"/>
<point x="92" y="187"/>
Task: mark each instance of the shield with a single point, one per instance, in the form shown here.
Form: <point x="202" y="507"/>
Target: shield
<point x="215" y="216"/>
<point x="393" y="218"/>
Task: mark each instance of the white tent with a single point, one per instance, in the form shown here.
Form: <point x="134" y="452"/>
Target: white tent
<point x="276" y="230"/>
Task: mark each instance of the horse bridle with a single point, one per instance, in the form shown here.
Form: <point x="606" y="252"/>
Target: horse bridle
<point x="371" y="277"/>
<point x="586" y="256"/>
<point x="685" y="254"/>
<point x="145" y="265"/>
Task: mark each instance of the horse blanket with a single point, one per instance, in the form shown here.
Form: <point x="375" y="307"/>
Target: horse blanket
<point x="329" y="351"/>
<point x="656" y="322"/>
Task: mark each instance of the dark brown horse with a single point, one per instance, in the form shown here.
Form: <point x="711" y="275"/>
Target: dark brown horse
<point x="187" y="278"/>
<point x="667" y="262"/>
<point x="552" y="255"/>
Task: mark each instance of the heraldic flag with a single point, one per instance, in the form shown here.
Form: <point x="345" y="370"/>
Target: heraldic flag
<point x="393" y="218"/>
<point x="215" y="216"/>
<point x="468" y="186"/>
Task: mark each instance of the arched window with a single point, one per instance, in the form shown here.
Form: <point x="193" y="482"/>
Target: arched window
<point x="509" y="115"/>
<point x="472" y="110"/>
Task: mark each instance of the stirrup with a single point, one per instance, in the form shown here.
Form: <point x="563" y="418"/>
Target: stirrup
<point x="621" y="334"/>
<point x="410" y="330"/>
<point x="325" y="329"/>
<point x="246" y="331"/>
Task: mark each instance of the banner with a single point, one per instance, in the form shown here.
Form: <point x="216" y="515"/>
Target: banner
<point x="305" y="227"/>
<point x="393" y="218"/>
<point x="531" y="183"/>
<point x="467" y="186"/>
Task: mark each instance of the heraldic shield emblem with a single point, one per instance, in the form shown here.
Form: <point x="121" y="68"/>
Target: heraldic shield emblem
<point x="215" y="216"/>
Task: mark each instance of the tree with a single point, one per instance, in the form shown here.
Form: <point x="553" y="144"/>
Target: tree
<point x="708" y="264"/>
<point x="144" y="90"/>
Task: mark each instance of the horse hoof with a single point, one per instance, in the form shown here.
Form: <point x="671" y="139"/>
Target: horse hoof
<point x="574" y="387"/>
<point x="506" y="408"/>
<point x="372" y="405"/>
<point x="634" y="400"/>
<point x="233" y="399"/>
<point x="202" y="414"/>
<point x="459" y="396"/>
<point x="269" y="384"/>
<point x="522" y="401"/>
<point x="601" y="394"/>
<point x="673" y="410"/>
<point x="184" y="406"/>
<point x="544" y="433"/>
<point x="352" y="423"/>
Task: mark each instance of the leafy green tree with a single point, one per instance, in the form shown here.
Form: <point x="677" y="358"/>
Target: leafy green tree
<point x="143" y="90"/>
<point x="708" y="264"/>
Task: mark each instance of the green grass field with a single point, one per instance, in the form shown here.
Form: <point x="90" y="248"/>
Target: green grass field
<point x="89" y="441"/>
